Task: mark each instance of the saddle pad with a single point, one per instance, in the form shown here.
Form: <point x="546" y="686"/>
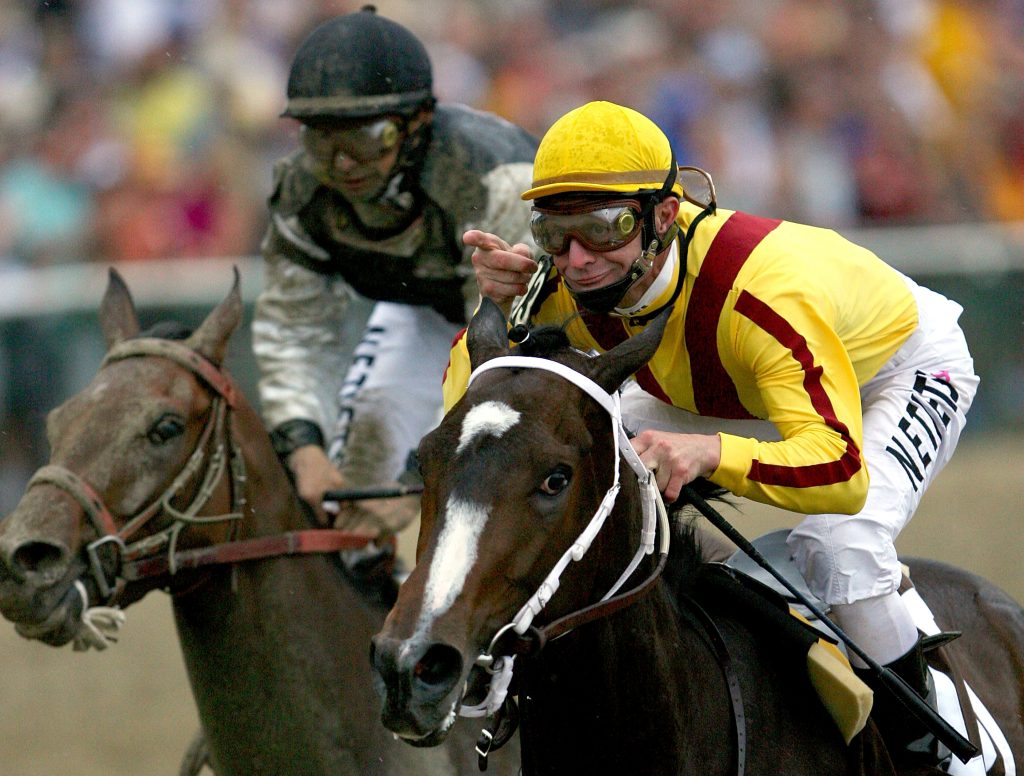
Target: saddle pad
<point x="844" y="695"/>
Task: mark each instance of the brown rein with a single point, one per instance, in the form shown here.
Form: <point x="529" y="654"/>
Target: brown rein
<point x="537" y="636"/>
<point x="138" y="561"/>
<point x="312" y="540"/>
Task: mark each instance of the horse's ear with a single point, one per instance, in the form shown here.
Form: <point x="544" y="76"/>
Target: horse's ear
<point x="610" y="369"/>
<point x="487" y="336"/>
<point x="118" y="318"/>
<point x="211" y="338"/>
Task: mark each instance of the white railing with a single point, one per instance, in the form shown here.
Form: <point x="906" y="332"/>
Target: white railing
<point x="953" y="249"/>
<point x="960" y="249"/>
<point x="72" y="288"/>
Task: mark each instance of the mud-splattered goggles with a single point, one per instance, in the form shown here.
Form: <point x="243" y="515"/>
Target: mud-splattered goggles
<point x="601" y="229"/>
<point x="362" y="143"/>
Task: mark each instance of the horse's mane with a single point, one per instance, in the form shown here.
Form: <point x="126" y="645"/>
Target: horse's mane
<point x="686" y="553"/>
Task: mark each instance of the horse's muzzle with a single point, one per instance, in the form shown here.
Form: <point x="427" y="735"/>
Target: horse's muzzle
<point x="37" y="574"/>
<point x="419" y="683"/>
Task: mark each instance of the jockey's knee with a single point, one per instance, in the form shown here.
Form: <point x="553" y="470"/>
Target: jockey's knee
<point x="845" y="559"/>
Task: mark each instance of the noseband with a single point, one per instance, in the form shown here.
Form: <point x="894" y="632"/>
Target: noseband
<point x="226" y="451"/>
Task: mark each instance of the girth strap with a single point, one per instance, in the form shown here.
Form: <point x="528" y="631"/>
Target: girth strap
<point x="724" y="660"/>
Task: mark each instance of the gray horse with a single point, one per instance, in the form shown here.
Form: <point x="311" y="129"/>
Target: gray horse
<point x="162" y="476"/>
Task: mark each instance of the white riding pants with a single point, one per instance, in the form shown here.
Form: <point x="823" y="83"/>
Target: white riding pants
<point x="914" y="412"/>
<point x="391" y="396"/>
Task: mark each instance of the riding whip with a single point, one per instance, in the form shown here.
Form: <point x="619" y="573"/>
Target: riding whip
<point x="359" y="494"/>
<point x="919" y="708"/>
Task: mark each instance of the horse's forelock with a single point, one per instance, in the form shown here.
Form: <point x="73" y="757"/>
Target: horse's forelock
<point x="544" y="342"/>
<point x="171" y="330"/>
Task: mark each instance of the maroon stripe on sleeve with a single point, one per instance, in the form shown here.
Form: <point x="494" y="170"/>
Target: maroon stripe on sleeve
<point x="455" y="341"/>
<point x="609" y="332"/>
<point x="849" y="463"/>
<point x="713" y="389"/>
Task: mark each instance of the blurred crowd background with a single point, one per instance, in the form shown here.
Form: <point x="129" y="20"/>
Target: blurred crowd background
<point x="142" y="130"/>
<point x="133" y="129"/>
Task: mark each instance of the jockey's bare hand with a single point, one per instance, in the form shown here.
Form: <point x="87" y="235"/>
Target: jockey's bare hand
<point x="376" y="517"/>
<point x="502" y="270"/>
<point x="314" y="476"/>
<point x="677" y="459"/>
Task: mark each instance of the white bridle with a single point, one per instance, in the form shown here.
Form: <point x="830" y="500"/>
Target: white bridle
<point x="654" y="516"/>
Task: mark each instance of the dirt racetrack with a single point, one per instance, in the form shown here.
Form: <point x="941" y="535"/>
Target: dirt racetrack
<point x="128" y="711"/>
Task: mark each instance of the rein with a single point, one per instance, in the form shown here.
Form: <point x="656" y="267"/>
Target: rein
<point x="141" y="559"/>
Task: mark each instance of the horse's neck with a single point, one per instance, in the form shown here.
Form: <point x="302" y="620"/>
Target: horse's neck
<point x="279" y="639"/>
<point x="621" y="680"/>
<point x="275" y="651"/>
<point x="250" y="618"/>
<point x="626" y="685"/>
<point x="268" y="487"/>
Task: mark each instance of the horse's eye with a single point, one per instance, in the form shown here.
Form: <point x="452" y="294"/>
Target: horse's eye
<point x="556" y="482"/>
<point x="165" y="429"/>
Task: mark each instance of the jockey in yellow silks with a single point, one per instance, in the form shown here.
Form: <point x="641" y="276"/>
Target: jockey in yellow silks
<point x="797" y="368"/>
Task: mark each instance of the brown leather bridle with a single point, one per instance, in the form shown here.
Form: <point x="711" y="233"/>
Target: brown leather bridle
<point x="141" y="559"/>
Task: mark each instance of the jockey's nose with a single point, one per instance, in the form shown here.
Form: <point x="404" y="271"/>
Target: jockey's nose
<point x="344" y="162"/>
<point x="578" y="255"/>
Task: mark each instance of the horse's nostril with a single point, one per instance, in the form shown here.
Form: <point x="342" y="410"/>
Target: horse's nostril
<point x="440" y="665"/>
<point x="36" y="557"/>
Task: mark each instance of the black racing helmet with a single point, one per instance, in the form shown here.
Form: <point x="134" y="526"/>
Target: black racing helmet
<point x="357" y="66"/>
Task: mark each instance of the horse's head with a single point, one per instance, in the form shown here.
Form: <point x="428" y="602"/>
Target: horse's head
<point x="513" y="475"/>
<point x="137" y="454"/>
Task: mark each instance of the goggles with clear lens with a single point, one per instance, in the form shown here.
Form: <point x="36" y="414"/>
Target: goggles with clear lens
<point x="363" y="144"/>
<point x="603" y="229"/>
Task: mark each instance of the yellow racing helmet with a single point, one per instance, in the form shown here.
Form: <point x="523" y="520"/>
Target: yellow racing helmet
<point x="602" y="147"/>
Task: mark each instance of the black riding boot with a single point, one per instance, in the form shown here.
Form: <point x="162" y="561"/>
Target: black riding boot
<point x="909" y="742"/>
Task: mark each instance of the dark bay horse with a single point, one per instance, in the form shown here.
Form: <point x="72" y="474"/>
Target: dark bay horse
<point x="515" y="476"/>
<point x="163" y="477"/>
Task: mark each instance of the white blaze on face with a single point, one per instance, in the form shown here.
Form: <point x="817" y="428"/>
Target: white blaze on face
<point x="453" y="557"/>
<point x="464" y="521"/>
<point x="489" y="417"/>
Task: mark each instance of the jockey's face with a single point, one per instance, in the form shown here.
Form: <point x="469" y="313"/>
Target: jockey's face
<point x="356" y="159"/>
<point x="585" y="269"/>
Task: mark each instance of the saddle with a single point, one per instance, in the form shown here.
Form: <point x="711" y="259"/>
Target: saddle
<point x="847" y="699"/>
<point x="793" y="637"/>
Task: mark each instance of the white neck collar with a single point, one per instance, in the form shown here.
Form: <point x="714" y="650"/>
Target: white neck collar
<point x="657" y="287"/>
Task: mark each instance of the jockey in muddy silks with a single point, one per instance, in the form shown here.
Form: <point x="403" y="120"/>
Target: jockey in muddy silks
<point x="863" y="376"/>
<point x="375" y="200"/>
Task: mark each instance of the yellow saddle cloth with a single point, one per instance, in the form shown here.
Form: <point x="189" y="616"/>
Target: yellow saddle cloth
<point x="847" y="698"/>
<point x="844" y="695"/>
